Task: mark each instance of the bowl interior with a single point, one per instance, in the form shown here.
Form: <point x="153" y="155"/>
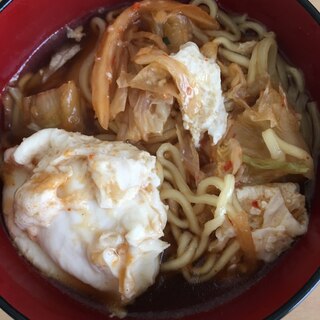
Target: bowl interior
<point x="299" y="38"/>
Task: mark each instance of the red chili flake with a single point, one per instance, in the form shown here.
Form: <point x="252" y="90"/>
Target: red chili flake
<point x="227" y="166"/>
<point x="136" y="6"/>
<point x="91" y="156"/>
<point x="255" y="204"/>
<point x="238" y="184"/>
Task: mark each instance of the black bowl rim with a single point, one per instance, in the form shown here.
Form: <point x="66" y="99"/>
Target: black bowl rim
<point x="285" y="308"/>
<point x="4" y="4"/>
<point x="10" y="310"/>
<point x="299" y="297"/>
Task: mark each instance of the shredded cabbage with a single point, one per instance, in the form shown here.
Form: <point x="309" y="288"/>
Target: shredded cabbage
<point x="270" y="164"/>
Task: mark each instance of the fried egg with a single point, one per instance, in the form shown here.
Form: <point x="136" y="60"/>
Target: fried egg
<point x="88" y="208"/>
<point x="211" y="116"/>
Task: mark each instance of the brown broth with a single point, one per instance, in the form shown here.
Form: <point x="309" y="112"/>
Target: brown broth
<point x="171" y="295"/>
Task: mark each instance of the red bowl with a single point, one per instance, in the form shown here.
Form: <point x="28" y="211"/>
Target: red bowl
<point x="24" y="25"/>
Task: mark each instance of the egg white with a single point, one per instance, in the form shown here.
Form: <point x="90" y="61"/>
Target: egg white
<point x="78" y="206"/>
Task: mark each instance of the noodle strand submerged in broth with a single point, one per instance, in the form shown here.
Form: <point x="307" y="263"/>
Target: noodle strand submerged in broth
<point x="125" y="76"/>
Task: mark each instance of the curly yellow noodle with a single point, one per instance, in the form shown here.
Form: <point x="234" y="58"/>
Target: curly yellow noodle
<point x="273" y="146"/>
<point x="176" y="232"/>
<point x="282" y="73"/>
<point x="213" y="8"/>
<point x="202" y="189"/>
<point x="223" y="18"/>
<point x="84" y="76"/>
<point x="24" y="80"/>
<point x="196" y="212"/>
<point x="267" y="58"/>
<point x="306" y="130"/>
<point x="301" y="102"/>
<point x="174" y="152"/>
<point x="167" y="135"/>
<point x="168" y="176"/>
<point x="17" y="96"/>
<point x="296" y="76"/>
<point x="183" y="260"/>
<point x="292" y="94"/>
<point x="263" y="60"/>
<point x="206" y="267"/>
<point x="208" y="182"/>
<point x="256" y="27"/>
<point x="225" y="196"/>
<point x="181" y="183"/>
<point x="112" y="15"/>
<point x="314" y="115"/>
<point x="202" y="247"/>
<point x="213" y="225"/>
<point x="179" y="192"/>
<point x="292" y="150"/>
<point x="223" y="260"/>
<point x="240" y="18"/>
<point x="198" y="208"/>
<point x="198" y="33"/>
<point x="172" y="218"/>
<point x="186" y="206"/>
<point x="234" y="57"/>
<point x="98" y="25"/>
<point x="160" y="172"/>
<point x="252" y="69"/>
<point x="239" y="47"/>
<point x="184" y="241"/>
<point x="233" y="34"/>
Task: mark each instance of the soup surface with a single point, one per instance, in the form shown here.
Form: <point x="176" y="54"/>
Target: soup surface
<point x="185" y="179"/>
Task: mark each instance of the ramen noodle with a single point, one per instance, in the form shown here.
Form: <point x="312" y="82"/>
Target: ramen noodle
<point x="226" y="121"/>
